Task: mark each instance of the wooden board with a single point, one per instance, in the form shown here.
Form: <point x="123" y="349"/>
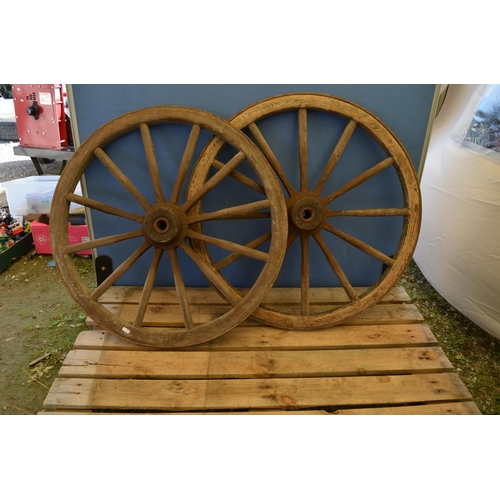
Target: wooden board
<point x="467" y="408"/>
<point x="164" y="309"/>
<point x="384" y="361"/>
<point x="271" y="339"/>
<point x="252" y="364"/>
<point x="276" y="296"/>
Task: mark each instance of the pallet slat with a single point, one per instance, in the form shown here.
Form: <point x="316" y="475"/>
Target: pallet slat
<point x="268" y="338"/>
<point x="251" y="364"/>
<point x="466" y="408"/>
<point x="294" y="393"/>
<point x="160" y="315"/>
<point x="287" y="296"/>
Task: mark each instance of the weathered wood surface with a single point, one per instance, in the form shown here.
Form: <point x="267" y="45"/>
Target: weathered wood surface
<point x="271" y="339"/>
<point x="252" y="364"/>
<point x="283" y="393"/>
<point x="159" y="315"/>
<point x="276" y="296"/>
<point x="163" y="307"/>
<point x="372" y="366"/>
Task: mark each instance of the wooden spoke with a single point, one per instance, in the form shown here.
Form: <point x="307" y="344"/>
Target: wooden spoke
<point x="119" y="272"/>
<point x="370" y="212"/>
<point x="249" y="210"/>
<point x="373" y="252"/>
<point x="236" y="255"/>
<point x="101" y="242"/>
<point x="250" y="215"/>
<point x="213" y="277"/>
<point x="148" y="288"/>
<point x="103" y="207"/>
<point x="243" y="179"/>
<point x="335" y="157"/>
<point x="336" y="268"/>
<point x="304" y="276"/>
<point x="152" y="164"/>
<point x="359" y="180"/>
<point x="214" y="181"/>
<point x="264" y="146"/>
<point x="122" y="178"/>
<point x="303" y="149"/>
<point x="187" y="157"/>
<point x="180" y="288"/>
<point x="229" y="245"/>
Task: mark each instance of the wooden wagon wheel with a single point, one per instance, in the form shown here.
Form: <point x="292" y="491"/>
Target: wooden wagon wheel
<point x="309" y="214"/>
<point x="165" y="225"/>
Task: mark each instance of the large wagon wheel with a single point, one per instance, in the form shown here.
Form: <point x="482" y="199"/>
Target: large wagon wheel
<point x="309" y="213"/>
<point x="164" y="225"/>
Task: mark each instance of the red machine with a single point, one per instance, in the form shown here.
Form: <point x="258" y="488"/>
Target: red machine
<point x="40" y="116"/>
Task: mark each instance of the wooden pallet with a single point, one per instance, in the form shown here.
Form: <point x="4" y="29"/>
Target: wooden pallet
<point x="384" y="361"/>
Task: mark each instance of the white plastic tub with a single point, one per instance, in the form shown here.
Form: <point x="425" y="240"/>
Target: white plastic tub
<point x="33" y="195"/>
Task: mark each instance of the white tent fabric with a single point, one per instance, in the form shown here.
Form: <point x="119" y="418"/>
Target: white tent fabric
<point x="459" y="246"/>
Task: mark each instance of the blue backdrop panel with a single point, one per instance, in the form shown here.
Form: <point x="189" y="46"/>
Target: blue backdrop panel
<point x="405" y="109"/>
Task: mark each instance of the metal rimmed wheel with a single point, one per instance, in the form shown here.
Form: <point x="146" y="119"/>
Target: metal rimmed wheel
<point x="156" y="225"/>
<point x="314" y="208"/>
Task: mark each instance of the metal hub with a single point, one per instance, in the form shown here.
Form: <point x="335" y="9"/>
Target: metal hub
<point x="306" y="213"/>
<point x="165" y="226"/>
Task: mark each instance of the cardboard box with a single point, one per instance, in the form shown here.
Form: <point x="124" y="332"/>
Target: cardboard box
<point x="41" y="237"/>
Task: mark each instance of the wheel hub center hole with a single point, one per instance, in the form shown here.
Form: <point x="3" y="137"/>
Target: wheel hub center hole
<point x="161" y="225"/>
<point x="307" y="214"/>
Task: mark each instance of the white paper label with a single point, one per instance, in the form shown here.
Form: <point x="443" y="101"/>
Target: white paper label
<point x="45" y="98"/>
